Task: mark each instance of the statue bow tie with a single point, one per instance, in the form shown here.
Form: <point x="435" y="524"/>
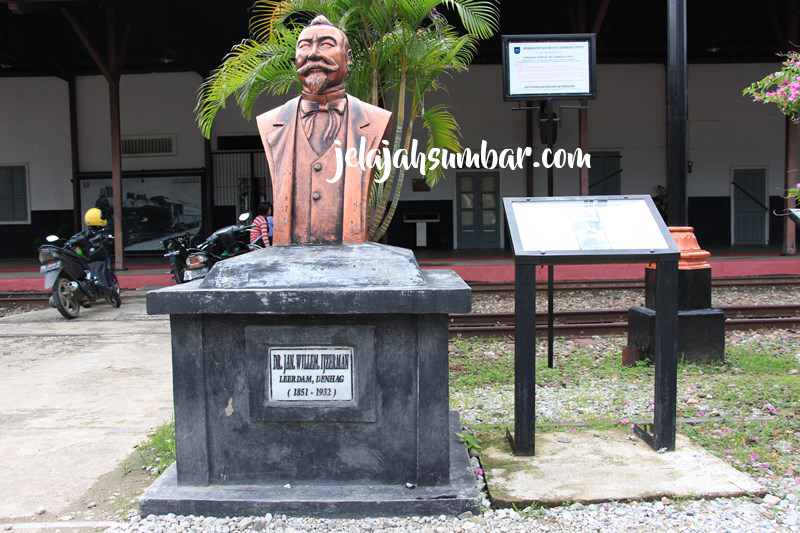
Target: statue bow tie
<point x="310" y="108"/>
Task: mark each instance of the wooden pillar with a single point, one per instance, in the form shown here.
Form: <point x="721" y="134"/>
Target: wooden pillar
<point x="583" y="144"/>
<point x="77" y="215"/>
<point x="529" y="143"/>
<point x="116" y="137"/>
<point x="111" y="71"/>
<point x="791" y="177"/>
<point x="791" y="160"/>
<point x="116" y="173"/>
<point x="583" y="115"/>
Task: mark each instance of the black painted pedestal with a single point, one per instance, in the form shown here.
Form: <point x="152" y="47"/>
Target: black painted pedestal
<point x="242" y="452"/>
<point x="701" y="329"/>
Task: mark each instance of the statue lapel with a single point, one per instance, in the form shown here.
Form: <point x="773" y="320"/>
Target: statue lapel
<point x="280" y="136"/>
<point x="356" y="184"/>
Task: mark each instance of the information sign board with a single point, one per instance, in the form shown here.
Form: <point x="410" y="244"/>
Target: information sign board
<point x="537" y="67"/>
<point x="587" y="226"/>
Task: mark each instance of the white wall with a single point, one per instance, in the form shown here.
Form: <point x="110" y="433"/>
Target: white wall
<point x="34" y="130"/>
<point x="229" y="121"/>
<point x="728" y="130"/>
<point x="628" y="116"/>
<point x="149" y="104"/>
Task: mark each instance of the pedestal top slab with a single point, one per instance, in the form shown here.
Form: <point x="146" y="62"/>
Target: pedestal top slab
<point x="325" y="267"/>
<point x="350" y="279"/>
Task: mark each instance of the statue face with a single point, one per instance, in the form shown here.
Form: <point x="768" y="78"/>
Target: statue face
<point x="321" y="58"/>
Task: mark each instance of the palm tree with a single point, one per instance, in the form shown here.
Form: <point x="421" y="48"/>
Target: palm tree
<point x="401" y="50"/>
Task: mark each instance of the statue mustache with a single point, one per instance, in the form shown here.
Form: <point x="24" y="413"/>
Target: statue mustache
<point x="318" y="65"/>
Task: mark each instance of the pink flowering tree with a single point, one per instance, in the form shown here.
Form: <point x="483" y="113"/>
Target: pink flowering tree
<point x="794" y="192"/>
<point x="781" y="88"/>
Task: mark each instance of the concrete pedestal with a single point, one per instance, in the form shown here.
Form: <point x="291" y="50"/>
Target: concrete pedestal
<point x="701" y="329"/>
<point x="351" y="429"/>
<point x="701" y="333"/>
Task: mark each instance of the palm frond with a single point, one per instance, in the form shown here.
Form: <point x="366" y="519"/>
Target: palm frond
<point x="480" y="17"/>
<point x="443" y="133"/>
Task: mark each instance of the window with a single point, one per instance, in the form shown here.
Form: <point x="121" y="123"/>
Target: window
<point x="14" y="194"/>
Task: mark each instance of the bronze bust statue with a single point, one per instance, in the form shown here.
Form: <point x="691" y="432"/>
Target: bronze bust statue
<point x="302" y="136"/>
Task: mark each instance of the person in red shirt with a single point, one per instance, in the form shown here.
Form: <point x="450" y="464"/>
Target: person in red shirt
<point x="262" y="229"/>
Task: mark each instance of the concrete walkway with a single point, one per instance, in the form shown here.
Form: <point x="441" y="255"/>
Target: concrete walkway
<point x="75" y="398"/>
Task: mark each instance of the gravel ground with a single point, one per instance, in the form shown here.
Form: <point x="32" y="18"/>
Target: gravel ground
<point x="503" y="302"/>
<point x="777" y="511"/>
<point x="591" y="398"/>
<point x="16" y="309"/>
<point x="724" y="514"/>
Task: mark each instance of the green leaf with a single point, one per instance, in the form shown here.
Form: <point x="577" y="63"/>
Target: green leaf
<point x="443" y="133"/>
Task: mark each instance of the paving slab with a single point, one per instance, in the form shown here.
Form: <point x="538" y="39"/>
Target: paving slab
<point x="597" y="466"/>
<point x="77" y="396"/>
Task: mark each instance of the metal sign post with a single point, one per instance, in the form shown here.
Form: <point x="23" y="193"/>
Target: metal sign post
<point x="592" y="230"/>
<point x="532" y="65"/>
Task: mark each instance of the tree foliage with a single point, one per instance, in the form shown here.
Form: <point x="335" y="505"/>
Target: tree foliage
<point x="402" y="49"/>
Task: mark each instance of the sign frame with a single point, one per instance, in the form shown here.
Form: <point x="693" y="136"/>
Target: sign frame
<point x="544" y="38"/>
<point x="588" y="256"/>
<point x="660" y="435"/>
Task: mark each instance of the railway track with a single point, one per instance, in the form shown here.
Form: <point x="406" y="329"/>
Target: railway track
<point x="567" y="323"/>
<point x="740" y="281"/>
<point x="609" y="321"/>
<point x="12" y="298"/>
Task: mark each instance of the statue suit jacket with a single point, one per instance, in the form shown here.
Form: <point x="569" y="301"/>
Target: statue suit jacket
<point x="277" y="128"/>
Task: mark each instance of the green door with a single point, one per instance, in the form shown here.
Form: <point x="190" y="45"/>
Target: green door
<point x="750" y="206"/>
<point x="605" y="173"/>
<point x="478" y="209"/>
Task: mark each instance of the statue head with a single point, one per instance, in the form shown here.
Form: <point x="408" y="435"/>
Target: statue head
<point x="322" y="57"/>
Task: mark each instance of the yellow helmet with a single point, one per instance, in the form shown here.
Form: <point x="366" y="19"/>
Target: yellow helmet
<point x="94" y="217"/>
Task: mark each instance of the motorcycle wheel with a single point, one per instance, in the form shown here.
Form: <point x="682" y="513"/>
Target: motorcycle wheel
<point x="66" y="302"/>
<point x="114" y="297"/>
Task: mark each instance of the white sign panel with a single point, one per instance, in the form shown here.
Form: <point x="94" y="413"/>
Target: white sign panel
<point x="587" y="225"/>
<point x="555" y="67"/>
<point x="311" y="373"/>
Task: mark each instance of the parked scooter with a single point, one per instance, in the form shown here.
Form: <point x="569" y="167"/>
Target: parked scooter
<point x="177" y="250"/>
<point x="226" y="242"/>
<point x="81" y="271"/>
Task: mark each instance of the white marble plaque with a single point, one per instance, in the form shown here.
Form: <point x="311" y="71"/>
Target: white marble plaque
<point x="311" y="373"/>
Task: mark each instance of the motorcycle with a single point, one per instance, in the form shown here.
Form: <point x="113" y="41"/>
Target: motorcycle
<point x="80" y="272"/>
<point x="177" y="250"/>
<point x="224" y="243"/>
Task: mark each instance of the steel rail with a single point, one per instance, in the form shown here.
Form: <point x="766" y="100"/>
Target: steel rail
<point x="608" y="321"/>
<point x="739" y="281"/>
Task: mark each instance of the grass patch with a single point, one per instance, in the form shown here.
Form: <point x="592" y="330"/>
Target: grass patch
<point x="479" y="362"/>
<point x="760" y="360"/>
<point x="158" y="451"/>
<point x="745" y="410"/>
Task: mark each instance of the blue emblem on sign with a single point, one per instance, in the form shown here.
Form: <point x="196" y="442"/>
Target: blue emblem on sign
<point x="516" y="49"/>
